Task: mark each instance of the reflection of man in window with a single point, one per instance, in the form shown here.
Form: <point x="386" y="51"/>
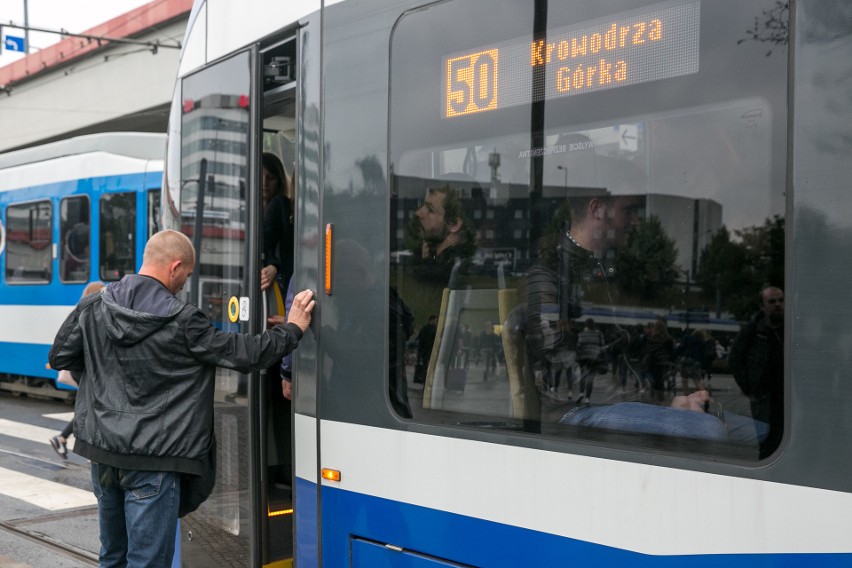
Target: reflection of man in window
<point x="757" y="363"/>
<point x="579" y="233"/>
<point x="445" y="232"/>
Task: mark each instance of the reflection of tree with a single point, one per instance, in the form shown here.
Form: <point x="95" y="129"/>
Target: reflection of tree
<point x="737" y="271"/>
<point x="720" y="267"/>
<point x="373" y="173"/>
<point x="774" y="27"/>
<point x="646" y="265"/>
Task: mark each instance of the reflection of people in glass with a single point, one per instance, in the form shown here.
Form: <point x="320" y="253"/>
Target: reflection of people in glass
<point x="690" y="354"/>
<point x="659" y="356"/>
<point x="568" y="254"/>
<point x="277" y="225"/>
<point x="446" y="234"/>
<point x="757" y="363"/>
<point x="590" y="356"/>
<point x="442" y="239"/>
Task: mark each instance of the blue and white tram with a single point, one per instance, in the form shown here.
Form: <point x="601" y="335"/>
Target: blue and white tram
<point x="71" y="212"/>
<point x="467" y="175"/>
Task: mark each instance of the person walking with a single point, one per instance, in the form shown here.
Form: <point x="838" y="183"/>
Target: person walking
<point x="60" y="441"/>
<point x="144" y="410"/>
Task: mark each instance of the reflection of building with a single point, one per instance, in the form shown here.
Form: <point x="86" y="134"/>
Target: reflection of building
<point x="691" y="223"/>
<point x="503" y="228"/>
<point x="214" y="128"/>
<point x="214" y="143"/>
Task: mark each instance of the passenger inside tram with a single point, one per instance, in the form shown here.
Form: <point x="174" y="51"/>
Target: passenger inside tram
<point x="275" y="277"/>
<point x="277" y="224"/>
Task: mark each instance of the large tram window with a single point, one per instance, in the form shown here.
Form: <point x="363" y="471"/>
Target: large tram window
<point x="117" y="235"/>
<point x="583" y="218"/>
<point x="29" y="255"/>
<point x="74" y="239"/>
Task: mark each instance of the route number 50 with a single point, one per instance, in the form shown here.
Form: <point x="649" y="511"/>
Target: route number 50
<point x="472" y="83"/>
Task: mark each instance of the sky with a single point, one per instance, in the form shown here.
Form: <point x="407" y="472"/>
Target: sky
<point x="75" y="16"/>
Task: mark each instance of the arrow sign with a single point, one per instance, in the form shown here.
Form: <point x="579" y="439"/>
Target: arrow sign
<point x="628" y="138"/>
<point x="13" y="43"/>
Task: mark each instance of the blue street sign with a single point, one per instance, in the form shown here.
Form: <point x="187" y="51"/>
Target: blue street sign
<point x="13" y="43"/>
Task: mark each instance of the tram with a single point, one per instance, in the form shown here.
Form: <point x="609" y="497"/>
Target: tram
<point x="71" y="212"/>
<point x="473" y="180"/>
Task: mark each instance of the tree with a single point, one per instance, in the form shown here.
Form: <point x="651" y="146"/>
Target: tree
<point x="646" y="265"/>
<point x="737" y="271"/>
<point x="720" y="268"/>
<point x="774" y="29"/>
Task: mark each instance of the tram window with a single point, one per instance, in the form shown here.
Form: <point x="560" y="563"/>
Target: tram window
<point x="153" y="211"/>
<point x="74" y="239"/>
<point x="29" y="254"/>
<point x="117" y="235"/>
<point x="582" y="258"/>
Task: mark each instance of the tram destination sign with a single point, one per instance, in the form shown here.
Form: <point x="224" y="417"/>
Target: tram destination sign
<point x="660" y="42"/>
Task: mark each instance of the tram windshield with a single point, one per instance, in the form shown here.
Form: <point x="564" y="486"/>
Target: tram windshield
<point x="586" y="226"/>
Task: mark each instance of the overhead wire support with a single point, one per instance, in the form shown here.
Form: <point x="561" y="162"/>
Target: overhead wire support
<point x="152" y="45"/>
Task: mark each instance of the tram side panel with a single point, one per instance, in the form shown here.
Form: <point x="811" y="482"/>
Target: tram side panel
<point x="454" y="492"/>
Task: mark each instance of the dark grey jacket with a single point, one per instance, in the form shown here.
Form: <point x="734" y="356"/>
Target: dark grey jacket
<point x="148" y="360"/>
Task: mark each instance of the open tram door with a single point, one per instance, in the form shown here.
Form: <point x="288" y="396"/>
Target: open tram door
<point x="224" y="117"/>
<point x="276" y="179"/>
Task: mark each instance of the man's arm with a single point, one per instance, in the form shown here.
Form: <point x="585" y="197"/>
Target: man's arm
<point x="67" y="349"/>
<point x="244" y="352"/>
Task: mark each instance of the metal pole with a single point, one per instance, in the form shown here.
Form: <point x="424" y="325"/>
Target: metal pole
<point x="26" y="29"/>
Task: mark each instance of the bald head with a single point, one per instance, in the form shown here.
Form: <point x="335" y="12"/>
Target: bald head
<point x="170" y="258"/>
<point x="167" y="246"/>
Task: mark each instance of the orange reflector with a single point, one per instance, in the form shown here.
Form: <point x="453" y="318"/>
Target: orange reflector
<point x="328" y="232"/>
<point x="330" y="474"/>
<point x="279" y="513"/>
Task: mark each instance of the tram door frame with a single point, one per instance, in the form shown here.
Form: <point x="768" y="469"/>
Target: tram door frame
<point x="268" y="103"/>
<point x="255" y="321"/>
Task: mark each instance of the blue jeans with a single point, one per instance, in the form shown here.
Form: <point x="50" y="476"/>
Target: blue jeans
<point x="137" y="513"/>
<point x="666" y="421"/>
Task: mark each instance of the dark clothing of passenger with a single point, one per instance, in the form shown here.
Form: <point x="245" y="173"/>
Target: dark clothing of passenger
<point x="425" y="343"/>
<point x="278" y="238"/>
<point x="145" y="400"/>
<point x="553" y="294"/>
<point x="691" y="347"/>
<point x="400" y="328"/>
<point x="659" y="354"/>
<point x="590" y="344"/>
<point x="757" y="363"/>
<point x="690" y="354"/>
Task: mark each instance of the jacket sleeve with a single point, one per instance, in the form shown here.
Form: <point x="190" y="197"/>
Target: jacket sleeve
<point x="241" y="352"/>
<point x="66" y="353"/>
<point x="738" y="357"/>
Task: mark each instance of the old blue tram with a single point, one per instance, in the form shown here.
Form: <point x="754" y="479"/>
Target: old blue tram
<point x="71" y="212"/>
<point x="481" y="191"/>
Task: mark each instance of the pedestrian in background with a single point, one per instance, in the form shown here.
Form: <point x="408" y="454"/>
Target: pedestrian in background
<point x="60" y="442"/>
